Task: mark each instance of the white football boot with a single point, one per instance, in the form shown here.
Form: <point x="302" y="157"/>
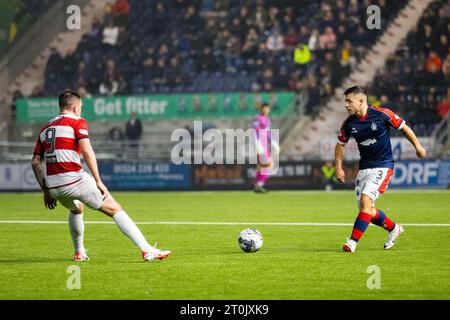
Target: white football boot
<point x="350" y="246"/>
<point x="80" y="256"/>
<point x="393" y="235"/>
<point x="155" y="253"/>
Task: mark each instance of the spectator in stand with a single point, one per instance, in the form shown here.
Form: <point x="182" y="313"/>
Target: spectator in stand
<point x="434" y="63"/>
<point x="83" y="51"/>
<point x="159" y="72"/>
<point x="384" y="102"/>
<point x="174" y="75"/>
<point x="207" y="61"/>
<point x="427" y="38"/>
<point x="232" y="54"/>
<point x="334" y="67"/>
<point x="250" y="46"/>
<point x="149" y="67"/>
<point x="69" y="65"/>
<point x="313" y="41"/>
<point x="291" y="38"/>
<point x="149" y="56"/>
<point x="302" y="56"/>
<point x="281" y="82"/>
<point x="133" y="131"/>
<point x="159" y="18"/>
<point x="115" y="139"/>
<point x="110" y="84"/>
<point x="313" y="96"/>
<point x="347" y="60"/>
<point x="96" y="28"/>
<point x="443" y="47"/>
<point x="81" y="75"/>
<point x="120" y="11"/>
<point x="267" y="80"/>
<point x="304" y="34"/>
<point x="53" y="68"/>
<point x="327" y="40"/>
<point x="359" y="38"/>
<point x="275" y="41"/>
<point x="123" y="38"/>
<point x="191" y="19"/>
<point x="110" y="34"/>
<point x="443" y="108"/>
<point x="16" y="95"/>
<point x="327" y="18"/>
<point x="82" y="91"/>
<point x="446" y="68"/>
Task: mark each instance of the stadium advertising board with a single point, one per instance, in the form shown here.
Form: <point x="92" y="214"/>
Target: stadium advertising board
<point x="17" y="176"/>
<point x="421" y="174"/>
<point x="207" y="177"/>
<point x="159" y="107"/>
<point x="145" y="176"/>
<point x="291" y="175"/>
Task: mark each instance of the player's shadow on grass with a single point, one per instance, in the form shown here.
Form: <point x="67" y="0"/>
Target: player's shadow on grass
<point x="286" y="250"/>
<point x="36" y="260"/>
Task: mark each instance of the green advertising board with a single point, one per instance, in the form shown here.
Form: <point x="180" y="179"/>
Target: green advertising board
<point x="160" y="107"/>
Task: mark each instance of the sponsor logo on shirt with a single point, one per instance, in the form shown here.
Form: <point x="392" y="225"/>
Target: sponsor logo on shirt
<point x="374" y="126"/>
<point x="368" y="142"/>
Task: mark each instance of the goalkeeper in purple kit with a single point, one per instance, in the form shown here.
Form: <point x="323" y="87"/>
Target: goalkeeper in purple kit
<point x="264" y="142"/>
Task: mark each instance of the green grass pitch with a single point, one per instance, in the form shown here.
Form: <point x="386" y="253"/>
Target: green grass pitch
<point x="295" y="262"/>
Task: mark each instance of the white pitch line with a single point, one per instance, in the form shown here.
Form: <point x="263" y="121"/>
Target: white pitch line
<point x="220" y="223"/>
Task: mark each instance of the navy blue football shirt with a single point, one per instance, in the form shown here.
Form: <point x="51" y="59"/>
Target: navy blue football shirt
<point x="372" y="136"/>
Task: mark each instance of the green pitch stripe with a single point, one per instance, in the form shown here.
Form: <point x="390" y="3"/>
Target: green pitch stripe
<point x="222" y="223"/>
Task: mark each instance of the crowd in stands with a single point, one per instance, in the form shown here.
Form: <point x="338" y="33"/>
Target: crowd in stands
<point x="190" y="46"/>
<point x="181" y="46"/>
<point x="415" y="81"/>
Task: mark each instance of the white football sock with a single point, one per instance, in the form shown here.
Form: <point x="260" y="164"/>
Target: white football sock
<point x="130" y="229"/>
<point x="76" y="226"/>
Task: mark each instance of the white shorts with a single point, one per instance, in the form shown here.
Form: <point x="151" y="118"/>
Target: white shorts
<point x="84" y="191"/>
<point x="372" y="182"/>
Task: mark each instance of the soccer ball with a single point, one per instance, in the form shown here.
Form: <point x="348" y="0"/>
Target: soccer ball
<point x="250" y="240"/>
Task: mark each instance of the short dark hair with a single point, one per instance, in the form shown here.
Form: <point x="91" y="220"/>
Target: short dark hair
<point x="355" y="90"/>
<point x="67" y="98"/>
<point x="264" y="104"/>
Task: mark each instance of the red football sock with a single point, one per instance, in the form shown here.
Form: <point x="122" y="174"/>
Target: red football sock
<point x="361" y="223"/>
<point x="380" y="219"/>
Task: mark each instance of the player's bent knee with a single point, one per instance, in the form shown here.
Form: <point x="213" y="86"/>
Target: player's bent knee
<point x="79" y="207"/>
<point x="110" y="206"/>
<point x="76" y="211"/>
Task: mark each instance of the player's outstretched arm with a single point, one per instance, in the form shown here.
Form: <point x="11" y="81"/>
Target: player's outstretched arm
<point x="49" y="202"/>
<point x="411" y="136"/>
<point x="339" y="159"/>
<point x="91" y="161"/>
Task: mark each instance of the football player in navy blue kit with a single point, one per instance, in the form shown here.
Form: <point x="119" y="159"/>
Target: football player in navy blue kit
<point x="370" y="126"/>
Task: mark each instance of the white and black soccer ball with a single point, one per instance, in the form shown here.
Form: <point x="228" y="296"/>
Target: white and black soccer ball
<point x="250" y="240"/>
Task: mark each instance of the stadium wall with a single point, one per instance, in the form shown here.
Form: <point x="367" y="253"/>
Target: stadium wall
<point x="290" y="176"/>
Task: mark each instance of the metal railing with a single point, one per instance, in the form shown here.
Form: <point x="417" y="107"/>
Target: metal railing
<point x="150" y="150"/>
<point x="440" y="138"/>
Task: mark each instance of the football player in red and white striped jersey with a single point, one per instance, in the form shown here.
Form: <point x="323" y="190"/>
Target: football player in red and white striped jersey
<point x="59" y="147"/>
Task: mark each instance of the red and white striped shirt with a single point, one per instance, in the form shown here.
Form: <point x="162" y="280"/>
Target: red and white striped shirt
<point x="57" y="144"/>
